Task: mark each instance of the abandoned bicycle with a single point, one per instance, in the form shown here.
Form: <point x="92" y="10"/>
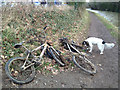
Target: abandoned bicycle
<point x="79" y="58"/>
<point x="21" y="69"/>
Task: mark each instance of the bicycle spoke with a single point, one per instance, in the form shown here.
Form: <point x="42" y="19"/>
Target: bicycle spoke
<point x="18" y="74"/>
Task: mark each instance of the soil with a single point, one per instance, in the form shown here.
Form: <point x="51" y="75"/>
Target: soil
<point x="106" y="64"/>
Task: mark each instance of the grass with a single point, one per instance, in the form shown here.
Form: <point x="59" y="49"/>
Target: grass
<point x="113" y="29"/>
<point x="25" y="23"/>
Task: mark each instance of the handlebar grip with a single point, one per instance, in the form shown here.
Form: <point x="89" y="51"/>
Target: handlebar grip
<point x="45" y="27"/>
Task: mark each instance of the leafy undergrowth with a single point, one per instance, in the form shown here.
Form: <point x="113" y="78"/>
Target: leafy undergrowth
<point x="25" y="23"/>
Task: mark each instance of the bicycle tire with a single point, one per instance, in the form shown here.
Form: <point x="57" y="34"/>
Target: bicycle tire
<point x="11" y="74"/>
<point x="82" y="61"/>
<point x="49" y="54"/>
<point x="58" y="58"/>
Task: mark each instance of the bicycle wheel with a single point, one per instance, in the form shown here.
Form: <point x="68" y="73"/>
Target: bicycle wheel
<point x="16" y="73"/>
<point x="57" y="57"/>
<point x="83" y="63"/>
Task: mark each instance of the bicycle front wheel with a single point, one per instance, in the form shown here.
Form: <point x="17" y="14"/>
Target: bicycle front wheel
<point x="15" y="72"/>
<point x="83" y="63"/>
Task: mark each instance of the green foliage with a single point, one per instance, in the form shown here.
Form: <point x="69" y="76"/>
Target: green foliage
<point x="105" y="6"/>
<point x="77" y="5"/>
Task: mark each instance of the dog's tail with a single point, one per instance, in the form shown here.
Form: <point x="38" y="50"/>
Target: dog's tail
<point x="109" y="45"/>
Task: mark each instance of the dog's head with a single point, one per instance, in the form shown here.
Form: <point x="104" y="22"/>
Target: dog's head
<point x="85" y="45"/>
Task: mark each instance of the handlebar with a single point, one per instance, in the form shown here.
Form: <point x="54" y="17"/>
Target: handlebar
<point x="18" y="45"/>
<point x="45" y="27"/>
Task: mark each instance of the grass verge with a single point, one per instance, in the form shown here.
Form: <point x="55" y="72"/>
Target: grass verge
<point x="113" y="29"/>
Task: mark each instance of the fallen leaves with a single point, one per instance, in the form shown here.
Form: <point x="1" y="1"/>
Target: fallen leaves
<point x="61" y="23"/>
<point x="16" y="73"/>
<point x="99" y="65"/>
<point x="12" y="53"/>
<point x="2" y="56"/>
<point x="21" y="54"/>
<point x="48" y="67"/>
<point x="55" y="72"/>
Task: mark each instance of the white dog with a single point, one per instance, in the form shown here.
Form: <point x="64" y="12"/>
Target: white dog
<point x="89" y="42"/>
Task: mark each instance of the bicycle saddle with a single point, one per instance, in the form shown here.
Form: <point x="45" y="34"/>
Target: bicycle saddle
<point x="18" y="44"/>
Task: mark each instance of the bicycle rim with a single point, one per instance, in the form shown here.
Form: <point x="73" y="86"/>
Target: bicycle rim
<point x="16" y="73"/>
<point x="83" y="63"/>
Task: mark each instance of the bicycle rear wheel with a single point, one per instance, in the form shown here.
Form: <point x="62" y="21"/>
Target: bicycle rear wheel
<point x="16" y="73"/>
<point x="57" y="57"/>
<point x="83" y="63"/>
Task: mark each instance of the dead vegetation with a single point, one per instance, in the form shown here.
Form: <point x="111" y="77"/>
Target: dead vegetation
<point x="24" y="22"/>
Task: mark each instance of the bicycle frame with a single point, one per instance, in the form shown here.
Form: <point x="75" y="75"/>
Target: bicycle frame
<point x="46" y="45"/>
<point x="69" y="45"/>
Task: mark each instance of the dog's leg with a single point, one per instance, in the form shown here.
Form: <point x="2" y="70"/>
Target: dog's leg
<point x="101" y="52"/>
<point x="101" y="48"/>
<point x="91" y="47"/>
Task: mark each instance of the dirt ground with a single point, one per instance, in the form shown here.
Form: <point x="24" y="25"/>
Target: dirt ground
<point x="106" y="64"/>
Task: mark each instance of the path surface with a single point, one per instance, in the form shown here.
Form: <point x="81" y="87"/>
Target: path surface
<point x="0" y="48"/>
<point x="108" y="77"/>
<point x="107" y="67"/>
